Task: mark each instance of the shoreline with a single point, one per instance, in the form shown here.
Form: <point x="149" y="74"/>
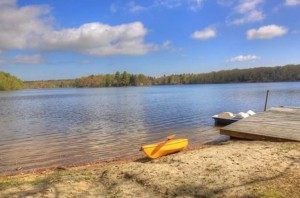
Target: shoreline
<point x="232" y="168"/>
<point x="140" y="155"/>
<point x="158" y="85"/>
<point x="119" y="160"/>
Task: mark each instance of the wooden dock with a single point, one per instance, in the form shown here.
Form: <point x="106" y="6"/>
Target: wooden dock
<point x="275" y="124"/>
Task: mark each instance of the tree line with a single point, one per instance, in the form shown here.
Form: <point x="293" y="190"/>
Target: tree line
<point x="107" y="80"/>
<point x="259" y="74"/>
<point x="114" y="80"/>
<point x="9" y="82"/>
<point x="43" y="84"/>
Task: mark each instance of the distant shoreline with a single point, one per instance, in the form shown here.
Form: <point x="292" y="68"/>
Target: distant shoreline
<point x="230" y="83"/>
<point x="288" y="73"/>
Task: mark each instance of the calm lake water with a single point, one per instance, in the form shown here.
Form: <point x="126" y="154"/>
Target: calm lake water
<point x="54" y="127"/>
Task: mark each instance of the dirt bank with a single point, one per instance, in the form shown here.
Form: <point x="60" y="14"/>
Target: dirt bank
<point x="229" y="169"/>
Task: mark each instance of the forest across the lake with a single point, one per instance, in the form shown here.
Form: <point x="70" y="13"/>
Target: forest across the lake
<point x="288" y="73"/>
<point x="260" y="74"/>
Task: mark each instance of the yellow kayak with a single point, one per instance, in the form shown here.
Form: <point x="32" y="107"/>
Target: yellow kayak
<point x="164" y="148"/>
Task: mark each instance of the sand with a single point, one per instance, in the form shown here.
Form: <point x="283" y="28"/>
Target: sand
<point x="228" y="169"/>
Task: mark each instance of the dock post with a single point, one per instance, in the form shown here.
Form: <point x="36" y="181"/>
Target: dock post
<point x="266" y="102"/>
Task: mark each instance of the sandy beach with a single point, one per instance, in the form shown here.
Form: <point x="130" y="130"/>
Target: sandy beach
<point x="229" y="169"/>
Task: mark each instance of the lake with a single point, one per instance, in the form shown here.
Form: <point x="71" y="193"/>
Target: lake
<point x="57" y="127"/>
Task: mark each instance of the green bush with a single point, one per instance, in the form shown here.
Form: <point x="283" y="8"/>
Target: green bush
<point x="9" y="82"/>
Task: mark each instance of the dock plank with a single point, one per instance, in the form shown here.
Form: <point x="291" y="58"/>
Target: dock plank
<point x="276" y="124"/>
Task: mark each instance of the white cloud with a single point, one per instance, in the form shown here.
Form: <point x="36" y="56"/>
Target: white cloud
<point x="137" y="8"/>
<point x="246" y="6"/>
<point x="205" y="34"/>
<point x="266" y="32"/>
<point x="169" y="3"/>
<point x="28" y="59"/>
<point x="252" y="16"/>
<point x="29" y="30"/>
<point x="133" y="7"/>
<point x="248" y="11"/>
<point x="292" y="2"/>
<point x="100" y="39"/>
<point x="243" y="58"/>
<point x="195" y="4"/>
<point x="21" y="28"/>
<point x="166" y="45"/>
<point x="191" y="4"/>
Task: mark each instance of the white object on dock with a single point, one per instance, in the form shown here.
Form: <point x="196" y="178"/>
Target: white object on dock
<point x="251" y="113"/>
<point x="225" y="115"/>
<point x="241" y="115"/>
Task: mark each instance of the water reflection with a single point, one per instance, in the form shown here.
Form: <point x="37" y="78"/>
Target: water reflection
<point x="42" y="128"/>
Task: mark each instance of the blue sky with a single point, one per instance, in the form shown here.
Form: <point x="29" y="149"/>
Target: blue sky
<point x="54" y="39"/>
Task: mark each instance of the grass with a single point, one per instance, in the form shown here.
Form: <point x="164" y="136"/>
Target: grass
<point x="42" y="180"/>
<point x="32" y="180"/>
<point x="9" y="183"/>
<point x="271" y="193"/>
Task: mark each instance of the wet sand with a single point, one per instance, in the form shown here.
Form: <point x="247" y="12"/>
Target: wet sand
<point x="227" y="169"/>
